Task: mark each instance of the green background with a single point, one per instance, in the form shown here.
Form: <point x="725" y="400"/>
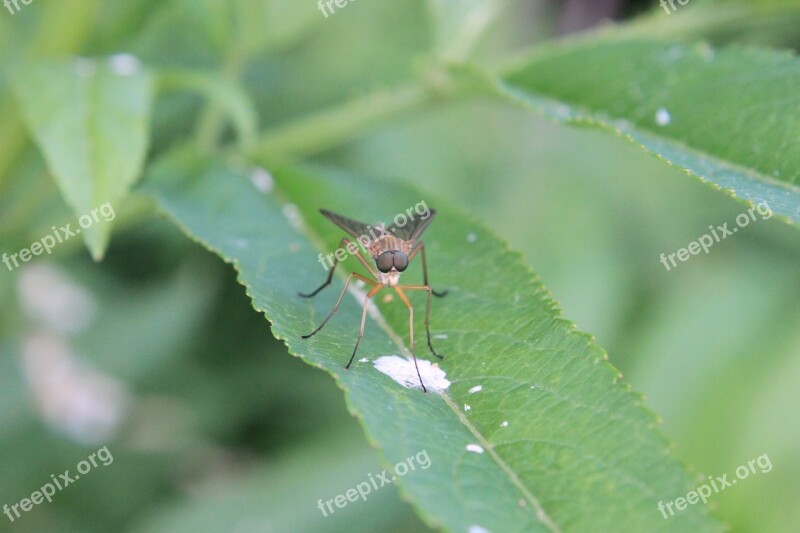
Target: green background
<point x="219" y="429"/>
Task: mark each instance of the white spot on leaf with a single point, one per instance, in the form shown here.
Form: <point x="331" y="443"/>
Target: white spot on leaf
<point x="472" y="237"/>
<point x="663" y="117"/>
<point x="292" y="214"/>
<point x="402" y="370"/>
<point x="262" y="180"/>
<point x="474" y="448"/>
<point x="476" y="388"/>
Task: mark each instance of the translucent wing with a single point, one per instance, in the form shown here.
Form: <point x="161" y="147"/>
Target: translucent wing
<point x="353" y="227"/>
<point x="412" y="230"/>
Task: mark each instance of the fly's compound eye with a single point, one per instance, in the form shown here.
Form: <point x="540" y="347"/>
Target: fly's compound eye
<point x="400" y="261"/>
<point x="385" y="262"/>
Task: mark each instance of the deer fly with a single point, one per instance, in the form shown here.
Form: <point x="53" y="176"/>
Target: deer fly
<point x="391" y="249"/>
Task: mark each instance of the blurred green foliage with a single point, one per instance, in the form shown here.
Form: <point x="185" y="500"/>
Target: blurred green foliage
<point x="213" y="426"/>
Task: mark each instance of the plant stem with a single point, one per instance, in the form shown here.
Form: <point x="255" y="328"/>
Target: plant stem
<point x="332" y="127"/>
<point x="211" y="122"/>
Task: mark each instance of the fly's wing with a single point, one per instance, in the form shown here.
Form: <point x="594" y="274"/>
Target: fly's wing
<point x="354" y="228"/>
<point x="412" y="230"/>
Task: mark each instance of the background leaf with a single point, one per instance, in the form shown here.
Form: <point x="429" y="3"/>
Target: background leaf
<point x="325" y="468"/>
<point x="721" y="115"/>
<point x="90" y="119"/>
<point x="229" y="95"/>
<point x="251" y="25"/>
<point x="273" y="24"/>
<point x="458" y="24"/>
<point x="577" y="452"/>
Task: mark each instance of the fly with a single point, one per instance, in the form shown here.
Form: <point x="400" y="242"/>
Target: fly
<point x="391" y="250"/>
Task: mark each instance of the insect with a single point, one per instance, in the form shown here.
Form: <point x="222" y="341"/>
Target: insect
<point x="391" y="249"/>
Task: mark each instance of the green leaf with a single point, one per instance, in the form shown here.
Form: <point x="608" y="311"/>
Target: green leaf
<point x="565" y="446"/>
<point x="251" y="25"/>
<point x="90" y="120"/>
<point x="274" y="24"/>
<point x="459" y="24"/>
<point x="229" y="95"/>
<point x="725" y="116"/>
<point x="209" y="18"/>
<point x="283" y="495"/>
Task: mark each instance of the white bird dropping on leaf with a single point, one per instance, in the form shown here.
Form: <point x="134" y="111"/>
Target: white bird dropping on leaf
<point x="402" y="370"/>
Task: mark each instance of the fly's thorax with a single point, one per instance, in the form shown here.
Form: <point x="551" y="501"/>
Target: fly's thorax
<point x="388" y="243"/>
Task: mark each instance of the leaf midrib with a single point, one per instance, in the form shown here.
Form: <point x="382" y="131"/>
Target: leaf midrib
<point x="541" y="515"/>
<point x="89" y="125"/>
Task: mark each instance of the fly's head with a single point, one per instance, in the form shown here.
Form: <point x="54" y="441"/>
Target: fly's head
<point x="390" y="264"/>
<point x="391" y="258"/>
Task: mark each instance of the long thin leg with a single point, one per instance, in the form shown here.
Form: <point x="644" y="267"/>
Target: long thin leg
<point x="370" y="294"/>
<point x="420" y="247"/>
<point x="403" y="297"/>
<point x="429" y="290"/>
<point x="342" y="244"/>
<point x="339" y="301"/>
